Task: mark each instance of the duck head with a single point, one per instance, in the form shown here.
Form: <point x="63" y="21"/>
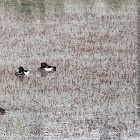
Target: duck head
<point x="2" y="111"/>
<point x="43" y="65"/>
<point x="21" y="69"/>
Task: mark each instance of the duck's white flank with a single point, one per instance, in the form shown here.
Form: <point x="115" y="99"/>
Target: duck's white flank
<point x="26" y="73"/>
<point x="48" y="69"/>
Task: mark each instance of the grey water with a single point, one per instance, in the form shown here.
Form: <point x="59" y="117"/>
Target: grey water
<point x="93" y="93"/>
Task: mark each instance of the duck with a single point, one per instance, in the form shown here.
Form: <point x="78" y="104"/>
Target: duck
<point x="21" y="72"/>
<point x="47" y="68"/>
<point x="2" y="111"/>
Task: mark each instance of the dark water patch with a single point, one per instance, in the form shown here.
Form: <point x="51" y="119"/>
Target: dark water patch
<point x="118" y="5"/>
<point x="31" y="6"/>
<point x="25" y="6"/>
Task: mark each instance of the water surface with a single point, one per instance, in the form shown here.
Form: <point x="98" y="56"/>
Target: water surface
<point x="92" y="95"/>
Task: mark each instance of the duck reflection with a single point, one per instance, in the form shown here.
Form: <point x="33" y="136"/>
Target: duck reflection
<point x="21" y="78"/>
<point x="43" y="73"/>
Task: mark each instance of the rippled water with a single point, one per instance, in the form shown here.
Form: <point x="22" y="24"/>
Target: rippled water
<point x="93" y="93"/>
